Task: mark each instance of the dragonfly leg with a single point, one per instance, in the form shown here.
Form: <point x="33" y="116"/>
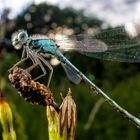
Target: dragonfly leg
<point x="20" y="62"/>
<point x="43" y="70"/>
<point x="35" y="61"/>
<point x="29" y="69"/>
<point x="31" y="55"/>
<point x="51" y="74"/>
<point x="49" y="66"/>
<point x="24" y="53"/>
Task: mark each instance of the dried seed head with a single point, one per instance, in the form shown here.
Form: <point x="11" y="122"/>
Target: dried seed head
<point x="32" y="91"/>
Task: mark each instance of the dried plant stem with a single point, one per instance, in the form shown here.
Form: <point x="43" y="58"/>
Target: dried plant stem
<point x="31" y="91"/>
<point x="93" y="113"/>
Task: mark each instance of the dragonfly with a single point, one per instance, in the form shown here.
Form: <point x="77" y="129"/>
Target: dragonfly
<point x="114" y="44"/>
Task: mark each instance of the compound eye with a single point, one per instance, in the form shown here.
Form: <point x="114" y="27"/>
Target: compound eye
<point x="22" y="37"/>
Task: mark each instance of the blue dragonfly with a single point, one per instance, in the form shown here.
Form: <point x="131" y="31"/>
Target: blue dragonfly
<point x="114" y="44"/>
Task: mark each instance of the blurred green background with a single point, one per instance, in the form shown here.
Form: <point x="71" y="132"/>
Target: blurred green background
<point x="118" y="80"/>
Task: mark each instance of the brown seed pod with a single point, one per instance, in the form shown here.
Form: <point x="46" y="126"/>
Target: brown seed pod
<point x="30" y="90"/>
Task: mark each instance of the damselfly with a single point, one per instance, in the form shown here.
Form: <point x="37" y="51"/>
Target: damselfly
<point x="112" y="45"/>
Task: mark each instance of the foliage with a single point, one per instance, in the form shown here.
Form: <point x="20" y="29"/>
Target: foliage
<point x="6" y="119"/>
<point x="119" y="80"/>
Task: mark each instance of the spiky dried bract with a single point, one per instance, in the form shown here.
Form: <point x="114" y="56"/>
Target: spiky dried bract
<point x="68" y="117"/>
<point x="62" y="124"/>
<point x="32" y="91"/>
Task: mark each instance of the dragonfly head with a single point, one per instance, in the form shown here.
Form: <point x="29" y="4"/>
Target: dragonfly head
<point x="19" y="39"/>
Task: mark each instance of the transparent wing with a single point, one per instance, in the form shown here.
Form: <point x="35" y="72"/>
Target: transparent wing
<point x="71" y="74"/>
<point x="81" y="43"/>
<point x="114" y="44"/>
<point x="129" y="55"/>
